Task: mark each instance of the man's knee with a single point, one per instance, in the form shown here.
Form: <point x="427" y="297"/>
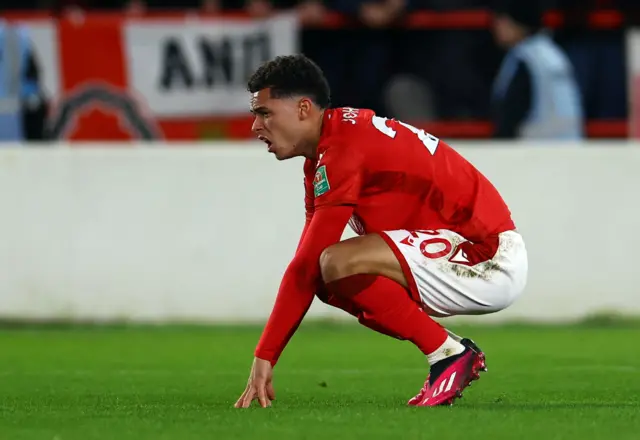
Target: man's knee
<point x="367" y="255"/>
<point x="335" y="263"/>
<point x="330" y="265"/>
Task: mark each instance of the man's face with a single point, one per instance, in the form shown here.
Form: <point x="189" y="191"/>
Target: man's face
<point x="279" y="123"/>
<point x="505" y="31"/>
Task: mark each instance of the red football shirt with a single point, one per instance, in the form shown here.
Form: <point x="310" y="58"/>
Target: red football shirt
<point x="378" y="175"/>
<point x="398" y="177"/>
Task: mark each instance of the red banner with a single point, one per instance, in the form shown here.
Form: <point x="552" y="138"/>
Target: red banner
<point x="179" y="77"/>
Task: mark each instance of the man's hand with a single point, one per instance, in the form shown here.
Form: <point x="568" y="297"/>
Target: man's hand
<point x="259" y="385"/>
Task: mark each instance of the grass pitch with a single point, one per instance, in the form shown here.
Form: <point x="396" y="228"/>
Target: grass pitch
<point x="333" y="382"/>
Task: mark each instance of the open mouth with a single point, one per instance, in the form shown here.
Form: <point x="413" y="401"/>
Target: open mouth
<point x="266" y="141"/>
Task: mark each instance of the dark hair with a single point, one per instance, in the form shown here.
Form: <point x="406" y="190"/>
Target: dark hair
<point x="528" y="13"/>
<point x="292" y="75"/>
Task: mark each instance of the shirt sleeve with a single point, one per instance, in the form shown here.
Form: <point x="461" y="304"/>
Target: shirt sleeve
<point x="309" y="207"/>
<point x="338" y="177"/>
<point x="300" y="281"/>
<point x="514" y="106"/>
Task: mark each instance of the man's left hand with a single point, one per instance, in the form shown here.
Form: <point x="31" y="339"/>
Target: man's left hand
<point x="259" y="386"/>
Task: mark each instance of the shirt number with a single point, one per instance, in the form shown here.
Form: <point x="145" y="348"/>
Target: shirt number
<point x="428" y="140"/>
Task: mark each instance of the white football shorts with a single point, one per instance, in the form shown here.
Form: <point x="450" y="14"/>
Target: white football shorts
<point x="453" y="276"/>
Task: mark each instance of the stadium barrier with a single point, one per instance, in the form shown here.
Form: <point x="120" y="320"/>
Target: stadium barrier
<point x="152" y="233"/>
<point x="170" y="73"/>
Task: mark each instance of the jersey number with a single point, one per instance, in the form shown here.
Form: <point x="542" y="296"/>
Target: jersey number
<point x="428" y="140"/>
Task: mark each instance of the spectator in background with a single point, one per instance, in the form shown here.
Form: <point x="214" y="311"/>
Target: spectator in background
<point x="455" y="66"/>
<point x="535" y="93"/>
<point x="598" y="56"/>
<point x="23" y="107"/>
<point x="356" y="61"/>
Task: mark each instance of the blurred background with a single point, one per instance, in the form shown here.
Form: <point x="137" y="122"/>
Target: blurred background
<point x="132" y="191"/>
<point x="160" y="69"/>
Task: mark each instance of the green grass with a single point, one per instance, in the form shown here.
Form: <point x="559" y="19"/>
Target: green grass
<point x="333" y="382"/>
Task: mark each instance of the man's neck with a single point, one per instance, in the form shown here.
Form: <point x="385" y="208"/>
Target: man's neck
<point x="311" y="147"/>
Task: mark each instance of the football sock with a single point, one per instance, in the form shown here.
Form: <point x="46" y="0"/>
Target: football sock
<point x="450" y="347"/>
<point x="387" y="305"/>
<point x="351" y="308"/>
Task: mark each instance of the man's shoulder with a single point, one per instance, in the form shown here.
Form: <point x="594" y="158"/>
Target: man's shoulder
<point x="345" y="133"/>
<point x="347" y="124"/>
<point x="352" y="116"/>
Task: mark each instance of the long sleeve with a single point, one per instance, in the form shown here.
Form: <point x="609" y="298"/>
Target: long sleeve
<point x="309" y="207"/>
<point x="298" y="285"/>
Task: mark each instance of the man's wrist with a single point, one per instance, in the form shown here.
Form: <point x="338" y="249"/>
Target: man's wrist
<point x="259" y="354"/>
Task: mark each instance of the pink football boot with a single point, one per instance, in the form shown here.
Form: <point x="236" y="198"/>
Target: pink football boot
<point x="449" y="377"/>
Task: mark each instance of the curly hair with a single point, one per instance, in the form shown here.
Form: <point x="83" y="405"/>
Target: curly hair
<point x="292" y="75"/>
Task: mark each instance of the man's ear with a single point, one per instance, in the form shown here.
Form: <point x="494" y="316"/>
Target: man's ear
<point x="304" y="108"/>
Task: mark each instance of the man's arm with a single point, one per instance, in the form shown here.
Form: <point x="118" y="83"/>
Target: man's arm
<point x="309" y="207"/>
<point x="514" y="107"/>
<point x="300" y="280"/>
